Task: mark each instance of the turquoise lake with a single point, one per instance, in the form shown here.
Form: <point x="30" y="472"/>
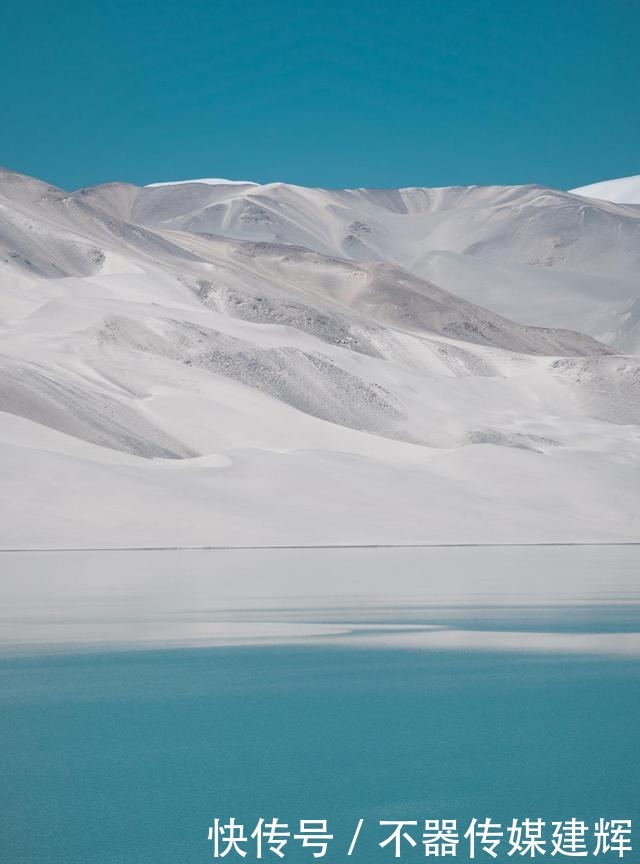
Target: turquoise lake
<point x="118" y="753"/>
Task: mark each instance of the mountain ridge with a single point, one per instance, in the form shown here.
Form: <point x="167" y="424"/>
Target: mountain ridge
<point x="184" y="380"/>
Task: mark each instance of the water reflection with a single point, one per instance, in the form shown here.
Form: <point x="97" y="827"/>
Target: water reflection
<point x="567" y="599"/>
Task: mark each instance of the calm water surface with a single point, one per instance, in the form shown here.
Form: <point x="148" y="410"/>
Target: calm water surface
<point x="384" y="703"/>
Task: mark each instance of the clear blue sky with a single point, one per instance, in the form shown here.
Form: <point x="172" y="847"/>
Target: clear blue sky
<point x="321" y="92"/>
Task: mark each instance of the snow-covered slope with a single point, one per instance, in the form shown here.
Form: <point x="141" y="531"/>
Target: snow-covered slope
<point x="625" y="190"/>
<point x="208" y="181"/>
<point x="176" y="374"/>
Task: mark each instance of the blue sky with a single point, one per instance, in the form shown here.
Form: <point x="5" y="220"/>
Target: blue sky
<point x="349" y="93"/>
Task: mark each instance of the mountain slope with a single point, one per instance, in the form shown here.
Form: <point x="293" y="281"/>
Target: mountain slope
<point x="162" y="384"/>
<point x="581" y="255"/>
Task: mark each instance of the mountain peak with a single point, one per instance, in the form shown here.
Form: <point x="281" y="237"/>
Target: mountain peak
<point x="624" y="190"/>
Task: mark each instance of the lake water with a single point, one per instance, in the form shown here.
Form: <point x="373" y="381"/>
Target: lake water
<point x="142" y="695"/>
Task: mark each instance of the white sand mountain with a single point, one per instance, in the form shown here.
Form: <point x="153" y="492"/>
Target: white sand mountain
<point x="543" y="257"/>
<point x="220" y="363"/>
